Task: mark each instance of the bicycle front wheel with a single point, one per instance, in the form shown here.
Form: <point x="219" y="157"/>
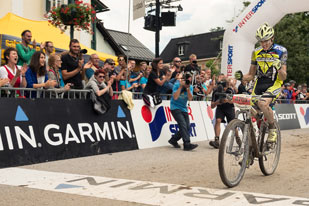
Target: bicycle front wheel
<point x="233" y="154"/>
<point x="270" y="156"/>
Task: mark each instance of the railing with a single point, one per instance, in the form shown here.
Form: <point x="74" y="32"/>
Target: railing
<point x="11" y="92"/>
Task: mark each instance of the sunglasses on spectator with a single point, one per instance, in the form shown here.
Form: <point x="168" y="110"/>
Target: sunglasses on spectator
<point x="177" y="61"/>
<point x="113" y="64"/>
<point x="120" y="59"/>
<point x="101" y="77"/>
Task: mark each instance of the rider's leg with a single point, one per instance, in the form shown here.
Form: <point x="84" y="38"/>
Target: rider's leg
<point x="268" y="112"/>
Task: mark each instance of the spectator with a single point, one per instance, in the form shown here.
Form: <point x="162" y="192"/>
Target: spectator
<point x="24" y="51"/>
<point x="125" y="83"/>
<point x="102" y="91"/>
<point x="54" y="62"/>
<point x="144" y="79"/>
<point x="36" y="75"/>
<point x="168" y="85"/>
<point x="72" y="66"/>
<point x="92" y="65"/>
<point x="176" y="68"/>
<point x="143" y="67"/>
<point x="155" y="79"/>
<point x="304" y="92"/>
<point x="225" y="109"/>
<point x="242" y="87"/>
<point x="15" y="74"/>
<point x="4" y="81"/>
<point x="109" y="68"/>
<point x="208" y="76"/>
<point x="119" y="71"/>
<point x="49" y="49"/>
<point x="285" y="92"/>
<point x="192" y="67"/>
<point x="182" y="92"/>
<point x="134" y="75"/>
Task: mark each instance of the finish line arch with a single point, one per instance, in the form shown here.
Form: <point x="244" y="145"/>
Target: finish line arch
<point x="239" y="39"/>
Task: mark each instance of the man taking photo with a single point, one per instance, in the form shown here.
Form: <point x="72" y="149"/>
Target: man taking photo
<point x="182" y="92"/>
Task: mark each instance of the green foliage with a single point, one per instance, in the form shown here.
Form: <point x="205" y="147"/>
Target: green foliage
<point x="212" y="65"/>
<point x="292" y="32"/>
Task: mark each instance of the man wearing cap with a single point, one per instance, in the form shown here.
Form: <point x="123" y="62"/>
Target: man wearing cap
<point x="304" y="95"/>
<point x="109" y="68"/>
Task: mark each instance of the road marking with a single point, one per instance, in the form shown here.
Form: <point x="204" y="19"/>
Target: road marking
<point x="152" y="193"/>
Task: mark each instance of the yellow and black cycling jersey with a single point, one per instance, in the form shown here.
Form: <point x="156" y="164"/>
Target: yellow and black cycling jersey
<point x="267" y="75"/>
<point x="264" y="61"/>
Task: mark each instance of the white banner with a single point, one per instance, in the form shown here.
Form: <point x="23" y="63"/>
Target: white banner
<point x="155" y="126"/>
<point x="239" y="37"/>
<point x="138" y="9"/>
<point x="302" y="111"/>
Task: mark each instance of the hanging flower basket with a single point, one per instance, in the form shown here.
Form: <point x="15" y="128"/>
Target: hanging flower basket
<point x="80" y="15"/>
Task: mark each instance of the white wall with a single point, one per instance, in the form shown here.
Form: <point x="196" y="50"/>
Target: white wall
<point x="103" y="45"/>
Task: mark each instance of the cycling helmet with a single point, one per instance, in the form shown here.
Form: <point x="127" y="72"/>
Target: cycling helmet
<point x="265" y="32"/>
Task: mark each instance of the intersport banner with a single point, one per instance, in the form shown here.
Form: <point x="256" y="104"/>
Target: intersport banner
<point x="40" y="130"/>
<point x="155" y="126"/>
<point x="239" y="38"/>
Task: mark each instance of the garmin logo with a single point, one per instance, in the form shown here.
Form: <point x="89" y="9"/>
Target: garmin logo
<point x="287" y="116"/>
<point x="55" y="135"/>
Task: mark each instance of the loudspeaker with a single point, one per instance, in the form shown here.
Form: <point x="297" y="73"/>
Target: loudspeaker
<point x="150" y="23"/>
<point x="168" y="18"/>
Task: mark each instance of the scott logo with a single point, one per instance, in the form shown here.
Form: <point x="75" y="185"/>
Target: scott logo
<point x="305" y="114"/>
<point x="248" y="16"/>
<point x="162" y="116"/>
<point x="286" y="116"/>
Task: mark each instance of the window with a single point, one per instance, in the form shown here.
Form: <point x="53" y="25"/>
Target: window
<point x="54" y="3"/>
<point x="181" y="50"/>
<point x="221" y="44"/>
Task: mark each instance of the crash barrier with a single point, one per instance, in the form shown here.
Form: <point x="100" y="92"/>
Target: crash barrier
<point x="47" y="129"/>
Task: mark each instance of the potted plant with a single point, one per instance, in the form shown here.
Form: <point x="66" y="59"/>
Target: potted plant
<point x="80" y="15"/>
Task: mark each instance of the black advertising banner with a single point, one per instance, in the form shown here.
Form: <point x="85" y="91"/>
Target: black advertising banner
<point x="40" y="130"/>
<point x="287" y="117"/>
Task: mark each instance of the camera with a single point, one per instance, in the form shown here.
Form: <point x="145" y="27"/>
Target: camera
<point x="187" y="77"/>
<point x="220" y="89"/>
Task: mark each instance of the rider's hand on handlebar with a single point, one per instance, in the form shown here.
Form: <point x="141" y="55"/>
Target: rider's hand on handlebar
<point x="238" y="75"/>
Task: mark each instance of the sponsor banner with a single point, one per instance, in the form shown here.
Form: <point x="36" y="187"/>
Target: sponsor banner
<point x="208" y="118"/>
<point x="286" y="116"/>
<point x="33" y="131"/>
<point x="302" y="111"/>
<point x="155" y="126"/>
<point x="139" y="192"/>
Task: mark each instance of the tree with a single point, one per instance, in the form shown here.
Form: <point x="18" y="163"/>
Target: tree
<point x="292" y="32"/>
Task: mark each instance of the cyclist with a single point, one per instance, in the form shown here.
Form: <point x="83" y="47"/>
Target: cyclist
<point x="268" y="64"/>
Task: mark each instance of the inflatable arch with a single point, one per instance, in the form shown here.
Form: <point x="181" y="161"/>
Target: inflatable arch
<point x="239" y="39"/>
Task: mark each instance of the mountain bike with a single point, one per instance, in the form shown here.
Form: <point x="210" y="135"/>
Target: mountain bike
<point x="241" y="144"/>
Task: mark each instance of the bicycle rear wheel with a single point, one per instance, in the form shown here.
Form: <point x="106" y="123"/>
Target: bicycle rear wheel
<point x="270" y="159"/>
<point x="232" y="156"/>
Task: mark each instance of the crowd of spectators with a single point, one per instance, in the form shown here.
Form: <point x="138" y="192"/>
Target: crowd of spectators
<point x="26" y="67"/>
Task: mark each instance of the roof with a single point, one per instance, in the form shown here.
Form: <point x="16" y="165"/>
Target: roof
<point x="41" y="32"/>
<point x="206" y="45"/>
<point x="131" y="46"/>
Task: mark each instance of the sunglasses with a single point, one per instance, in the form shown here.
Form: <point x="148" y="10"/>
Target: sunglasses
<point x="177" y="61"/>
<point x="113" y="64"/>
<point x="101" y="77"/>
<point x="120" y="59"/>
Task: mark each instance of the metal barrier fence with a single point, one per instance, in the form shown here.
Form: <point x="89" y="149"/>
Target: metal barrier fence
<point x="11" y="92"/>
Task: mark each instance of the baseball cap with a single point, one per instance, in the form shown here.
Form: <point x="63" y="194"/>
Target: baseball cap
<point x="292" y="82"/>
<point x="287" y="84"/>
<point x="304" y="85"/>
